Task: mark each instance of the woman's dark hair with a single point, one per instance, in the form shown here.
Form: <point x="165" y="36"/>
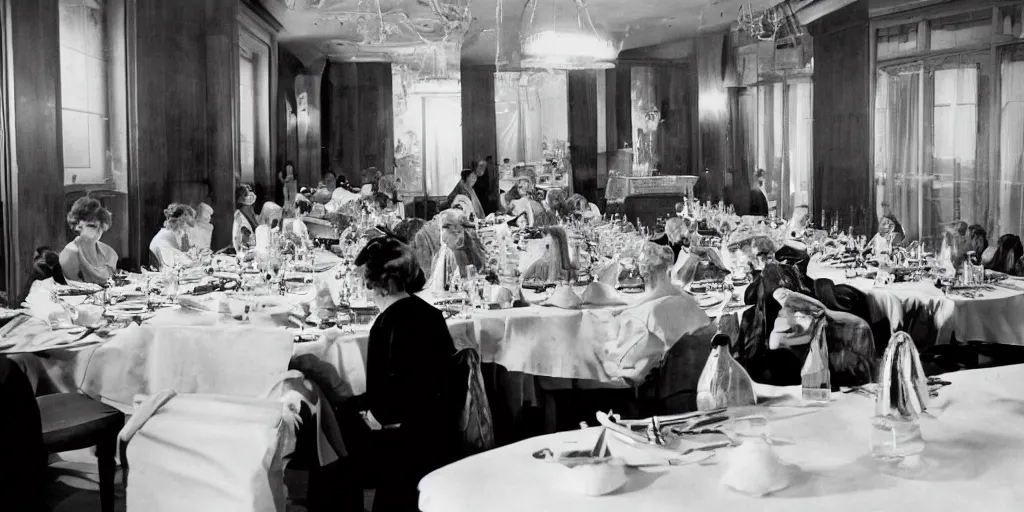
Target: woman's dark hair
<point x="45" y="265"/>
<point x="88" y="209"/>
<point x="466" y="173"/>
<point x="240" y="192"/>
<point x="977" y="239"/>
<point x="1008" y="250"/>
<point x="289" y="162"/>
<point x="407" y="229"/>
<point x="390" y="266"/>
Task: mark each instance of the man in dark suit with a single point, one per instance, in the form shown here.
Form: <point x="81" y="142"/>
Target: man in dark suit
<point x="758" y="196"/>
<point x="486" y="186"/>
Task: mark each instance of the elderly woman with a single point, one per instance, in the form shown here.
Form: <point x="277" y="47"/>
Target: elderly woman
<point x="448" y="228"/>
<point x="202" y="232"/>
<point x="170" y="244"/>
<point x="889" y="235"/>
<point x="271" y="215"/>
<point x="409" y="369"/>
<point x="555" y="264"/>
<point x="86" y="258"/>
<point x="465" y="188"/>
<point x="676" y="236"/>
<point x="244" y="226"/>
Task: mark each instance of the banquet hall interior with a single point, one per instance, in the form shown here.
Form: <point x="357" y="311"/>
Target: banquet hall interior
<point x="489" y="255"/>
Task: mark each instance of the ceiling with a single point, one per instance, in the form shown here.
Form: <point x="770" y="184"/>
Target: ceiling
<point x="349" y="29"/>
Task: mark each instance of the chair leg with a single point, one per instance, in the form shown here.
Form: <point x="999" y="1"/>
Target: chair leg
<point x="107" y="467"/>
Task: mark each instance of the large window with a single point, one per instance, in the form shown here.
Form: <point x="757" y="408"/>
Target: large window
<point x="949" y="123"/>
<point x="257" y="62"/>
<point x="778" y="124"/>
<point x="1011" y="141"/>
<point x="94" y="102"/>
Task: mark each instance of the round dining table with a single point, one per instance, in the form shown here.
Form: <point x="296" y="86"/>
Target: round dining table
<point x="992" y="315"/>
<point x="974" y="450"/>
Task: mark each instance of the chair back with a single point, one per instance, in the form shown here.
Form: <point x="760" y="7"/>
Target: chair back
<point x="474" y="412"/>
<point x="207" y="452"/>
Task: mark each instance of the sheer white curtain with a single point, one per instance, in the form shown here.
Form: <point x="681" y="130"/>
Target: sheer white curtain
<point x="898" y="143"/>
<point x="1011" y="144"/>
<point x="958" y="191"/>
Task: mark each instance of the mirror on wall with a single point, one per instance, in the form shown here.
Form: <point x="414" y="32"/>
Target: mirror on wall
<point x="94" y="109"/>
<point x="427" y="107"/>
<point x="645" y="117"/>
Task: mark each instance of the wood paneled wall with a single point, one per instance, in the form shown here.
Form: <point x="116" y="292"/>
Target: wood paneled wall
<point x="713" y="116"/>
<point x="619" y="120"/>
<point x="37" y="215"/>
<point x="479" y="128"/>
<point x="358" y="127"/>
<point x="676" y="102"/>
<point x="842" y="102"/>
<point x="582" y="96"/>
<point x="184" y="60"/>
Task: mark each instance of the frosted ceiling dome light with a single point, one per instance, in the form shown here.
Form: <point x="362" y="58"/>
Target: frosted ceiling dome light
<point x="559" y="34"/>
<point x="554" y="44"/>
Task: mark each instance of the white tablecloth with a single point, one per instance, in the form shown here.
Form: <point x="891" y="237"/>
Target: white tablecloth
<point x="583" y="343"/>
<point x="975" y="439"/>
<point x="996" y="317"/>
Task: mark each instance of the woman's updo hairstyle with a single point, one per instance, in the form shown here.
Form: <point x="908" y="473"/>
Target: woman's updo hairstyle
<point x="88" y="209"/>
<point x="178" y="215"/>
<point x="390" y="266"/>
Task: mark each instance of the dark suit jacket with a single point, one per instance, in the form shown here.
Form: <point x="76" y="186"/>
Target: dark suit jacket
<point x="758" y="203"/>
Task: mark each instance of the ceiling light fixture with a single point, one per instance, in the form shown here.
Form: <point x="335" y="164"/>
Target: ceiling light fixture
<point x="557" y="40"/>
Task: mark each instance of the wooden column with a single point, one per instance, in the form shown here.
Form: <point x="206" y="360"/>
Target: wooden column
<point x="841" y="111"/>
<point x="359" y="125"/>
<point x="35" y="211"/>
<point x="713" y="117"/>
<point x="675" y="98"/>
<point x="286" y="124"/>
<point x="479" y="128"/>
<point x="222" y="93"/>
<point x="582" y="95"/>
<point x="183" y="74"/>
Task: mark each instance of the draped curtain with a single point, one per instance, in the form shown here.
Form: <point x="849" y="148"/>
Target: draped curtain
<point x="531" y="108"/>
<point x="1011" y="143"/>
<point x="799" y="124"/>
<point x="897" y="143"/>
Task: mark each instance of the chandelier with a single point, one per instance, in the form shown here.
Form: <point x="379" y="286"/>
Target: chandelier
<point x="554" y="38"/>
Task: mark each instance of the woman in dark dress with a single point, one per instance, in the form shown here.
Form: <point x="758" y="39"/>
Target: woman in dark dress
<point x="410" y="386"/>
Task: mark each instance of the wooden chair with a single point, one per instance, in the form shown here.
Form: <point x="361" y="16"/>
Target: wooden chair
<point x="72" y="421"/>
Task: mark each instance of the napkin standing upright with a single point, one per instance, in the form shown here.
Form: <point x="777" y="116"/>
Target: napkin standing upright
<point x="814" y="376"/>
<point x="724" y="382"/>
<point x="901" y="397"/>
